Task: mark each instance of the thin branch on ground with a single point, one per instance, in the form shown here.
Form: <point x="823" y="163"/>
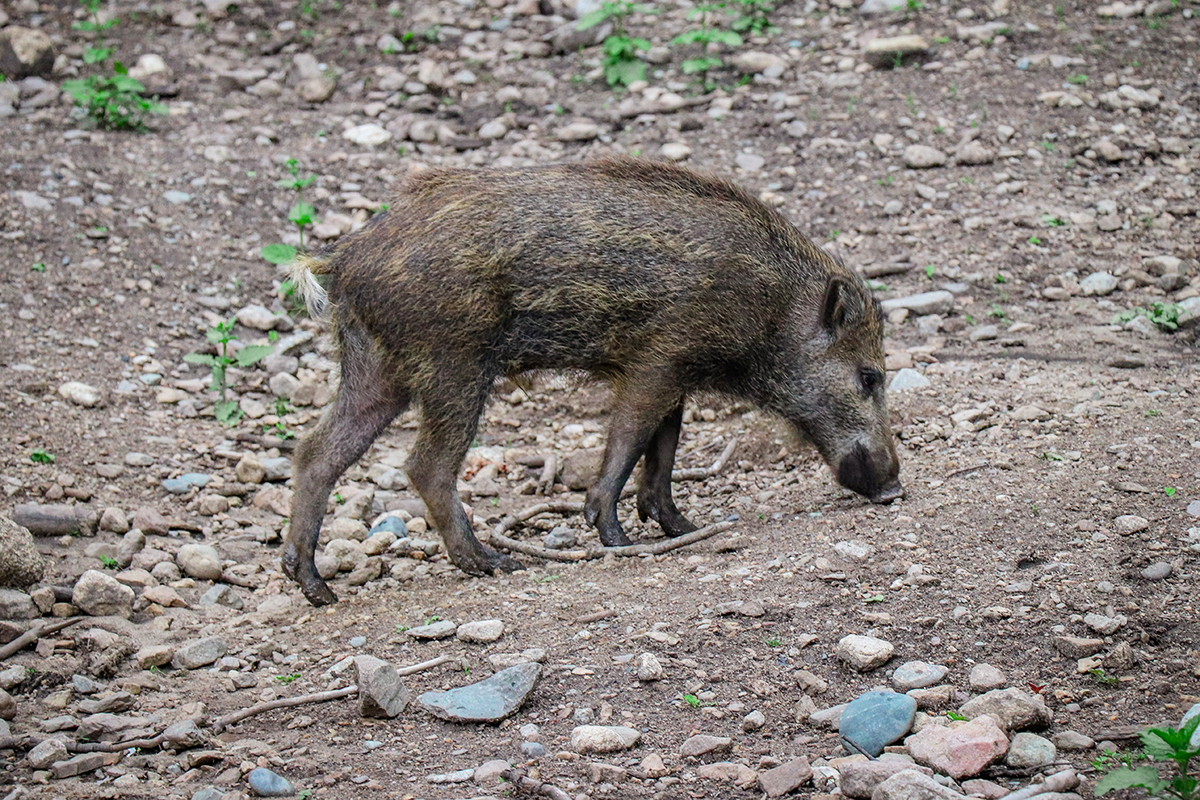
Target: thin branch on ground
<point x="965" y="470"/>
<point x="284" y="702"/>
<point x="33" y="634"/>
<point x="545" y="483"/>
<point x="1063" y="781"/>
<point x="425" y="665"/>
<point x="703" y="473"/>
<point x="527" y="785"/>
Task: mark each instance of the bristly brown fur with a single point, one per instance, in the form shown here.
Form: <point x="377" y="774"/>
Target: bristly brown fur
<point x="661" y="280"/>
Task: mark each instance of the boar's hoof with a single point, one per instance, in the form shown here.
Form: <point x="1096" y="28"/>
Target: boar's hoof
<point x="893" y="491"/>
<point x="670" y="520"/>
<point x="486" y="563"/>
<point x="315" y="589"/>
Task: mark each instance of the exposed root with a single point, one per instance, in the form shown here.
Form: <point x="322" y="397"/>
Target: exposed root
<point x="284" y="702"/>
<point x="1063" y="781"/>
<point x="527" y="785"/>
<point x="703" y="473"/>
<point x="33" y="634"/>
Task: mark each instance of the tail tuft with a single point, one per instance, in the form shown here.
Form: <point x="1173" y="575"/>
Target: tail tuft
<point x="302" y="270"/>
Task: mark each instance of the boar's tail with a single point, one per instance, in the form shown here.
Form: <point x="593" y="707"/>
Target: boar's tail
<point x="303" y="271"/>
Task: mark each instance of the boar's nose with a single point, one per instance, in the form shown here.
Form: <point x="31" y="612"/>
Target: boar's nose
<point x="890" y="492"/>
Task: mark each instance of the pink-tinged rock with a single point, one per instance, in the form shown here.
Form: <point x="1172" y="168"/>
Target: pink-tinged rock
<point x="785" y="778"/>
<point x="961" y="751"/>
<point x="860" y="779"/>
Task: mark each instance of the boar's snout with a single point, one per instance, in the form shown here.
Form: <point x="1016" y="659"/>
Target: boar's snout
<point x="873" y="474"/>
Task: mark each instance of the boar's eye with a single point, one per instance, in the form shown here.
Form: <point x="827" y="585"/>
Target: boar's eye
<point x="870" y="380"/>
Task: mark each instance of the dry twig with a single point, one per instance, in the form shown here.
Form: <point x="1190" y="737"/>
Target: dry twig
<point x="524" y="783"/>
<point x="965" y="470"/>
<point x="424" y="665"/>
<point x="703" y="473"/>
<point x="1063" y="781"/>
<point x="33" y="634"/>
<point x="284" y="702"/>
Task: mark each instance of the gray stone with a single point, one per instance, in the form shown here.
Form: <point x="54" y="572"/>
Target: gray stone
<point x="21" y="564"/>
<point x="985" y="333"/>
<point x="221" y="594"/>
<point x="368" y="135"/>
<point x="1099" y="284"/>
<point x="265" y="783"/>
<point x="864" y="653"/>
<point x="1072" y="741"/>
<point x="489" y="700"/>
<point x="882" y="53"/>
<point x="874" y="720"/>
<point x="1029" y="750"/>
<point x="100" y="595"/>
<point x="46" y="753"/>
<point x="961" y="751"/>
<point x="872" y="7"/>
<point x="906" y="379"/>
<point x="15" y="604"/>
<point x="442" y="629"/>
<point x="985" y="677"/>
<point x="199" y="561"/>
<point x="753" y="721"/>
<point x="208" y="793"/>
<point x="749" y="162"/>
<point x="1014" y="709"/>
<point x="599" y="739"/>
<point x="481" y="632"/>
<point x="184" y="735"/>
<point x="79" y="765"/>
<point x="703" y="744"/>
<point x="860" y="778"/>
<point x="917" y="675"/>
<point x="199" y="653"/>
<point x="185" y="483"/>
<point x="381" y="691"/>
<point x="1157" y="571"/>
<point x="648" y="667"/>
<point x="1192" y="713"/>
<point x="938" y="302"/>
<point x="912" y="785"/>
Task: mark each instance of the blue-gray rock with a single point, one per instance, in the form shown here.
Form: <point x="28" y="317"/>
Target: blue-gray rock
<point x="221" y="594"/>
<point x="186" y="482"/>
<point x="277" y="469"/>
<point x="265" y="783"/>
<point x="917" y="675"/>
<point x="908" y="379"/>
<point x="208" y="793"/>
<point x="489" y="700"/>
<point x="176" y="197"/>
<point x="532" y="749"/>
<point x="876" y="719"/>
<point x="391" y="524"/>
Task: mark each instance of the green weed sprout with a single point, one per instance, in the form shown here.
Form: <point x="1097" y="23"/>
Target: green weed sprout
<point x="621" y="63"/>
<point x="704" y="36"/>
<point x="1162" y="745"/>
<point x="752" y="17"/>
<point x="221" y="334"/>
<point x="115" y="101"/>
<point x="1164" y="315"/>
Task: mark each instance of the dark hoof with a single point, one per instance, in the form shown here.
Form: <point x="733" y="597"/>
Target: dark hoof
<point x="614" y="537"/>
<point x="667" y="516"/>
<point x="315" y="590"/>
<point x="893" y="491"/>
<point x="485" y="563"/>
<point x="503" y="563"/>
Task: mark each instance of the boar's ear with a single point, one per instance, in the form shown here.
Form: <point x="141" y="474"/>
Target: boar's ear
<point x="843" y="306"/>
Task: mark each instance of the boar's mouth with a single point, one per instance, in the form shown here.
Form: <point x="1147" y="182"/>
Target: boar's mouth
<point x="872" y="477"/>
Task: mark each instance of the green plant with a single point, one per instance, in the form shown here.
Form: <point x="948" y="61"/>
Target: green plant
<point x="1162" y="745"/>
<point x="220" y="335"/>
<point x="954" y="716"/>
<point x="1053" y="221"/>
<point x="774" y="642"/>
<point x="692" y="700"/>
<point x="1077" y="80"/>
<point x="1102" y="677"/>
<point x="1169" y="491"/>
<point x="1153" y="412"/>
<point x="287" y="678"/>
<point x="1000" y="278"/>
<point x="942" y="40"/>
<point x="1164" y="315"/>
<point x="38" y="267"/>
<point x="752" y="17"/>
<point x="929" y="270"/>
<point x="112" y="101"/>
<point x="304" y="794"/>
<point x="621" y="63"/>
<point x="1034" y="240"/>
<point x="109" y="562"/>
<point x="1050" y="456"/>
<point x="40" y="456"/>
<point x="704" y="36"/>
<point x="1047" y="146"/>
<point x="875" y="598"/>
<point x="994" y="310"/>
<point x="911" y="102"/>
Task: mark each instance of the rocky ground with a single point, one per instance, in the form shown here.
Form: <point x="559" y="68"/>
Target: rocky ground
<point x="1009" y="178"/>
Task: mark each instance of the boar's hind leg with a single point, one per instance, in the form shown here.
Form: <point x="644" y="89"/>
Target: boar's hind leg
<point x="654" y="499"/>
<point x="641" y="406"/>
<point x="450" y="417"/>
<point x="367" y="401"/>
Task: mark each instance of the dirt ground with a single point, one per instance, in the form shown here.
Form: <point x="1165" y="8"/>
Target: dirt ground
<point x="1027" y="443"/>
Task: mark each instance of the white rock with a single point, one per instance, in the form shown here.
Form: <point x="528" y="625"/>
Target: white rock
<point x="1098" y="283"/>
<point x="754" y="61"/>
<point x="1127" y="524"/>
<point x="922" y="304"/>
<point x="481" y="632"/>
<point x="581" y="131"/>
<point x="100" y="595"/>
<point x="864" y="653"/>
<point x="199" y="561"/>
<point x="368" y="134"/>
<point x="676" y="151"/>
<point x="81" y="394"/>
<point x="588" y="739"/>
<point x="908" y="379"/>
<point x="921" y="156"/>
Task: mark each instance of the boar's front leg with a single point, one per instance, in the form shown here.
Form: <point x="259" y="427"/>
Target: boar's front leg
<point x="654" y="499"/>
<point x="642" y="403"/>
<point x="367" y="401"/>
<point x="450" y="417"/>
